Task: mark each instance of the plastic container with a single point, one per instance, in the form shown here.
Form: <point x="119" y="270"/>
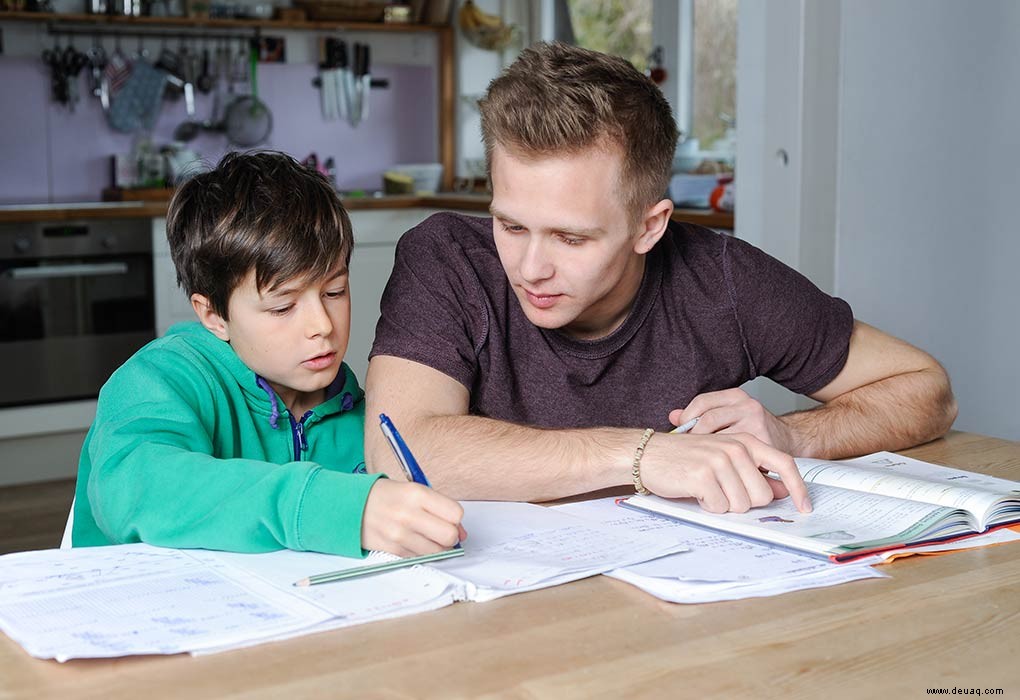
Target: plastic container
<point x="692" y="191"/>
<point x="426" y="176"/>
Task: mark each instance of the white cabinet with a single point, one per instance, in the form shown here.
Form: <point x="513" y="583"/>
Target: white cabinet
<point x="376" y="232"/>
<point x="172" y="305"/>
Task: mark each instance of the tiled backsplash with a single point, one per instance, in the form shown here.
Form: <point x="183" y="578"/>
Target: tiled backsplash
<point x="50" y="154"/>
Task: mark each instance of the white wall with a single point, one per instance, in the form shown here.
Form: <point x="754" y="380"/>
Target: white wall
<point x="928" y="244"/>
<point x="899" y="118"/>
<point x="786" y="165"/>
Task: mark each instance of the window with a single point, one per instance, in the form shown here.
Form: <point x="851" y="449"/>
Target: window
<point x="714" y="80"/>
<point x="699" y="49"/>
<point x="617" y="27"/>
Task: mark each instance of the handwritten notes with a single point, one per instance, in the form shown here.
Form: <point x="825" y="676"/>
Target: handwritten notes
<point x="133" y="599"/>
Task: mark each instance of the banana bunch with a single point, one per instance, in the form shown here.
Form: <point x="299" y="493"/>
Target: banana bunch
<point x="484" y="30"/>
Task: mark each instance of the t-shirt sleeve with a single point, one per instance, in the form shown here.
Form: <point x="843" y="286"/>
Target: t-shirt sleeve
<point x="433" y="308"/>
<point x="793" y="332"/>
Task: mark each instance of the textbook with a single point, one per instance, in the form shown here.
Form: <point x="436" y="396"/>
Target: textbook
<point x="862" y="506"/>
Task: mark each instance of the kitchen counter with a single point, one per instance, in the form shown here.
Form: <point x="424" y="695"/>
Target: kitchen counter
<point x="148" y="210"/>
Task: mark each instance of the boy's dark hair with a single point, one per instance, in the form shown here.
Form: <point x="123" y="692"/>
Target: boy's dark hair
<point x="255" y="211"/>
<point x="559" y="98"/>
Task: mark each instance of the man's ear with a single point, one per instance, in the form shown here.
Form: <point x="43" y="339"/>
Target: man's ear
<point x="208" y="316"/>
<point x="653" y="225"/>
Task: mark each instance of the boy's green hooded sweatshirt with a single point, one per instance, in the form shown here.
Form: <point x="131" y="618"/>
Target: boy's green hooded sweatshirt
<point x="191" y="449"/>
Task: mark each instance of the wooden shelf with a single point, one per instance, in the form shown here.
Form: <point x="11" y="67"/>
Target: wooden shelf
<point x="216" y="23"/>
<point x="156" y="206"/>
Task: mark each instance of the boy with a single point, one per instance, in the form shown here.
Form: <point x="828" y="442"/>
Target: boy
<point x="244" y="431"/>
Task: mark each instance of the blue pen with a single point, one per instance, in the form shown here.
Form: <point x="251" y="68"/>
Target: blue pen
<point x="403" y="452"/>
<point x="407" y="461"/>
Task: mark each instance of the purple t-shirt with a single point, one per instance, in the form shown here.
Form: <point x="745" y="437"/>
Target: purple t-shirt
<point x="712" y="312"/>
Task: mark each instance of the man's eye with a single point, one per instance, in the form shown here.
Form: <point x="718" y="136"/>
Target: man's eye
<point x="512" y="228"/>
<point x="570" y="240"/>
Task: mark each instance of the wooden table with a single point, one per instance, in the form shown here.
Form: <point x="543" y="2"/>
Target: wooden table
<point x="939" y="622"/>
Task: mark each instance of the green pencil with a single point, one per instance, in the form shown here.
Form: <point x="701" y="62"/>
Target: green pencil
<point x="378" y="568"/>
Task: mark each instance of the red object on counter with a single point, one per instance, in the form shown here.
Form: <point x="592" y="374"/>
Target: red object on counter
<point x="721" y="198"/>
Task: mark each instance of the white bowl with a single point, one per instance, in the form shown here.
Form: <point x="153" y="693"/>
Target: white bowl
<point x="427" y="176"/>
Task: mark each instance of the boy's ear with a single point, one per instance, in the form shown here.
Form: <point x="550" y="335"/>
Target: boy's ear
<point x="208" y="316"/>
<point x="653" y="225"/>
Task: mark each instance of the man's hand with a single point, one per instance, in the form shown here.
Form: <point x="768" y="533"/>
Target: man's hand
<point x="724" y="472"/>
<point x="734" y="411"/>
<point x="410" y="519"/>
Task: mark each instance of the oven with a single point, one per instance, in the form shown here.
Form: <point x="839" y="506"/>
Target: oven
<point x="76" y="300"/>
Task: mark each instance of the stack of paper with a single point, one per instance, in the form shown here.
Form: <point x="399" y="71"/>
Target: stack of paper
<point x="137" y="599"/>
<point x="717" y="567"/>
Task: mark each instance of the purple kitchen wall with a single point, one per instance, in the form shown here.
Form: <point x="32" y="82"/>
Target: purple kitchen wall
<point x="50" y="154"/>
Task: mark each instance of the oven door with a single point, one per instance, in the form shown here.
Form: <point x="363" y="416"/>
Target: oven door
<point x="67" y="323"/>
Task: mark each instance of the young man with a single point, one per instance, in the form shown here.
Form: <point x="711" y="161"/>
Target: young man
<point x="245" y="432"/>
<point x="523" y="355"/>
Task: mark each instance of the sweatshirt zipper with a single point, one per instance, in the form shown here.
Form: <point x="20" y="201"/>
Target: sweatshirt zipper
<point x="298" y="431"/>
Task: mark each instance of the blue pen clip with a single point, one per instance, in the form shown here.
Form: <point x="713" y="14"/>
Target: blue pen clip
<point x="403" y="453"/>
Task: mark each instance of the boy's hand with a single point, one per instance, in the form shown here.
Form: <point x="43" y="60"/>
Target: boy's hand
<point x="410" y="519"/>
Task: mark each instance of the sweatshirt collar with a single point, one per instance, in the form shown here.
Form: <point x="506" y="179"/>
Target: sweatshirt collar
<point x="341" y="395"/>
<point x="261" y="398"/>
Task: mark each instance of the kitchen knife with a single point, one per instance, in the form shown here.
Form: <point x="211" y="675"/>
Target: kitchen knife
<point x="366" y="80"/>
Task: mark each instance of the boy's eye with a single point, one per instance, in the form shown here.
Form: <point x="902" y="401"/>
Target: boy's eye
<point x="336" y="293"/>
<point x="281" y="310"/>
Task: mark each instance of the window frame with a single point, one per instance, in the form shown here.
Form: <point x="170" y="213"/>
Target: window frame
<point x="673" y="30"/>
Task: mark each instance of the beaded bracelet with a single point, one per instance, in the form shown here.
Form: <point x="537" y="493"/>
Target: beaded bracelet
<point x="636" y="471"/>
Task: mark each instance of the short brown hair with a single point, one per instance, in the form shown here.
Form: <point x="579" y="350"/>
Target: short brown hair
<point x="558" y="98"/>
<point x="255" y="211"/>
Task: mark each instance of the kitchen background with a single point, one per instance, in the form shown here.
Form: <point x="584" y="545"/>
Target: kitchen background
<point x="876" y="147"/>
<point x="64" y="155"/>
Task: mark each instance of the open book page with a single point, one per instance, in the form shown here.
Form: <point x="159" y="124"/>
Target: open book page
<point x="351" y="602"/>
<point x="718" y="566"/>
<point x="135" y="599"/>
<point x="712" y="557"/>
<point x="841" y="521"/>
<point x="892" y="475"/>
<point x="515" y="547"/>
<point x="511" y="548"/>
<point x="676" y="591"/>
<point x="354" y="600"/>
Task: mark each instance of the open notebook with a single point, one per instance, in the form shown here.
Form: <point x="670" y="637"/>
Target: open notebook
<point x="138" y="599"/>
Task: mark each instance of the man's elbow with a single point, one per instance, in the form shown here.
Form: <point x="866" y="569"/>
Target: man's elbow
<point x="944" y="408"/>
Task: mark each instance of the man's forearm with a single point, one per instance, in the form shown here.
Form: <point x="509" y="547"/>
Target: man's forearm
<point x="890" y="414"/>
<point x="470" y="457"/>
